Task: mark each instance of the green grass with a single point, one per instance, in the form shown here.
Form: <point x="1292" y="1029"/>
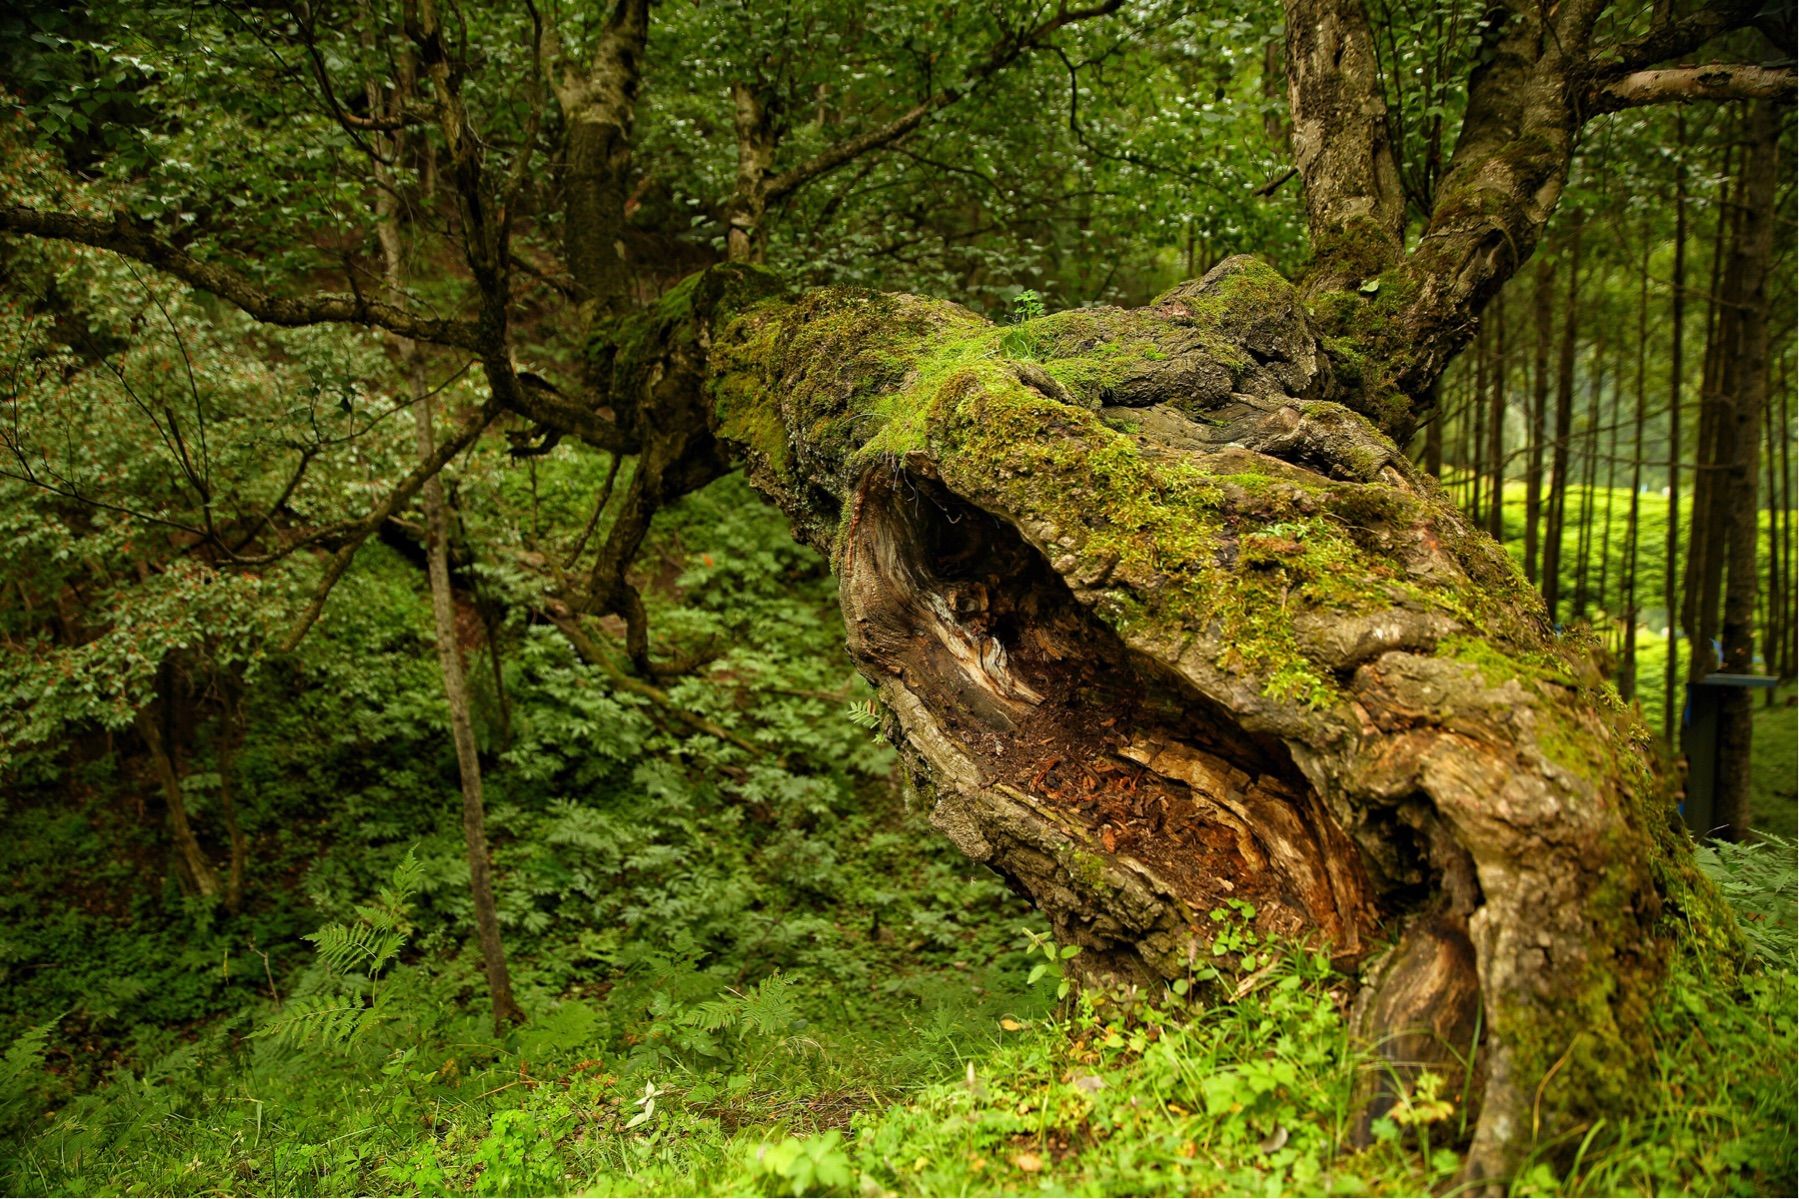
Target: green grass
<point x="964" y="1081"/>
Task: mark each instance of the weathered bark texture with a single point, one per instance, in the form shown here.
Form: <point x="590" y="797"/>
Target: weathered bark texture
<point x="1159" y="628"/>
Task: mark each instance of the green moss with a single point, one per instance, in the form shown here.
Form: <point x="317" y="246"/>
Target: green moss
<point x="1088" y="870"/>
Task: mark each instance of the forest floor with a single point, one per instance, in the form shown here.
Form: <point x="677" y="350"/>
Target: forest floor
<point x="747" y="973"/>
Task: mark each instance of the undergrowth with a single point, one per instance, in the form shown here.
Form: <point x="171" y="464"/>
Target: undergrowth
<point x="757" y="973"/>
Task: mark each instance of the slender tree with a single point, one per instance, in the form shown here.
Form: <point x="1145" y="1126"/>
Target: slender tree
<point x="1743" y="327"/>
<point x="390" y="233"/>
<point x="1627" y="661"/>
<point x="1543" y="307"/>
<point x="1495" y="523"/>
<point x="1559" y="479"/>
<point x="1671" y="715"/>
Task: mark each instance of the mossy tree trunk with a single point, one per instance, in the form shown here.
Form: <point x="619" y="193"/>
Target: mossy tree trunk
<point x="1160" y="626"/>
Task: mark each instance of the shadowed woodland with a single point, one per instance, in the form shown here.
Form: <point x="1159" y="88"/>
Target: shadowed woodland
<point x="1025" y="597"/>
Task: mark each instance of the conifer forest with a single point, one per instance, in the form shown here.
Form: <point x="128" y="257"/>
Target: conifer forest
<point x="944" y="597"/>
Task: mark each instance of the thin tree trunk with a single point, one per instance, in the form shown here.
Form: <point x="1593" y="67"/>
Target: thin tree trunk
<point x="231" y="732"/>
<point x="1767" y="603"/>
<point x="196" y="871"/>
<point x="1496" y="425"/>
<point x="1746" y="347"/>
<point x="1671" y="715"/>
<point x="474" y="814"/>
<point x="492" y="625"/>
<point x="1543" y="304"/>
<point x="1627" y="666"/>
<point x="1702" y="599"/>
<point x="1589" y="459"/>
<point x="1783" y="510"/>
<point x="1433" y="434"/>
<point x="1564" y="431"/>
<point x="506" y="1010"/>
<point x="1612" y="422"/>
<point x="1477" y="442"/>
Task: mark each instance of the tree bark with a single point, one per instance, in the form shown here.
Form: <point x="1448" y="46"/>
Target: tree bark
<point x="1610" y="423"/>
<point x="1627" y="667"/>
<point x="1158" y="628"/>
<point x="1475" y="457"/>
<point x="230" y="736"/>
<point x="598" y="100"/>
<point x="758" y="135"/>
<point x="1355" y="205"/>
<point x="196" y="872"/>
<point x="1701" y="599"/>
<point x="1745" y="323"/>
<point x="506" y="1010"/>
<point x="1589" y="481"/>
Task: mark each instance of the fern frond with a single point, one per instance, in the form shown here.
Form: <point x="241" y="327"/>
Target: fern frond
<point x="335" y="1020"/>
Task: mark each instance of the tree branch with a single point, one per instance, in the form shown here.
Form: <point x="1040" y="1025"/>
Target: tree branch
<point x="135" y="240"/>
<point x="589" y="651"/>
<point x="1672" y="39"/>
<point x="1714" y="81"/>
<point x="459" y="440"/>
<point x="1004" y="52"/>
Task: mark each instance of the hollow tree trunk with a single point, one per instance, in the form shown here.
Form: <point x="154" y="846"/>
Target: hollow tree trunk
<point x="1159" y="626"/>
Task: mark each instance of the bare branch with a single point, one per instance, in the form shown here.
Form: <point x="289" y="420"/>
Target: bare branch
<point x="136" y="240"/>
<point x="1714" y="81"/>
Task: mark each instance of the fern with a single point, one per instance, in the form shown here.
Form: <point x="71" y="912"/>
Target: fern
<point x="356" y="957"/>
<point x="1760" y="881"/>
<point x="336" y="1019"/>
<point x="769" y="1010"/>
<point x="22" y="1072"/>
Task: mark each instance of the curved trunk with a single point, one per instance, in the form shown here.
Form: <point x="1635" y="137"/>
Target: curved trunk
<point x="1160" y="629"/>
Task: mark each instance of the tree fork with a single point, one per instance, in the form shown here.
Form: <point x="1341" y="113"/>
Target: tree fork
<point x="1158" y="627"/>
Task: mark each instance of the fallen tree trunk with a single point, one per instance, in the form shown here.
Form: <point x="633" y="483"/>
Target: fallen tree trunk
<point x="1160" y="625"/>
